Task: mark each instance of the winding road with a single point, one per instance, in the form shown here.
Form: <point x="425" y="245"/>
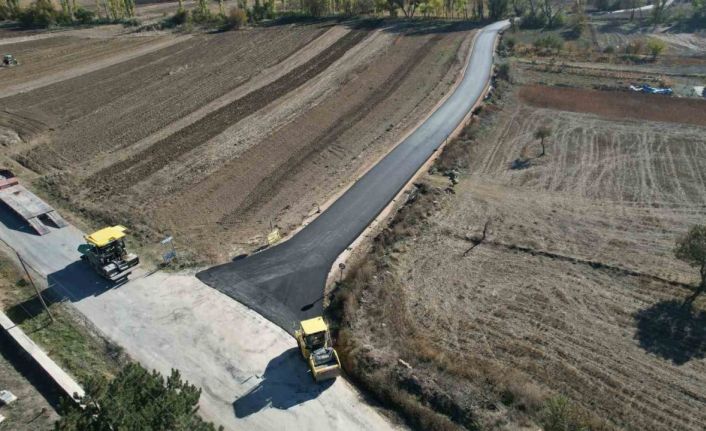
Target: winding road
<point x="285" y="283"/>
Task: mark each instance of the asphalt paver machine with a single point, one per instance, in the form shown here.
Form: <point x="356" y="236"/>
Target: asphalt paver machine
<point x="105" y="252"/>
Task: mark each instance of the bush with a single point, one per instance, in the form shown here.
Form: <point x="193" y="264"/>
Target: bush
<point x="261" y="11"/>
<point x="40" y="14"/>
<point x="5" y="12"/>
<point x="655" y="47"/>
<point x="363" y="7"/>
<point x="549" y="41"/>
<point x="315" y="7"/>
<point x="180" y="17"/>
<point x="560" y="415"/>
<point x="635" y="47"/>
<point x="236" y="18"/>
<point x="504" y="71"/>
<point x="84" y="16"/>
<point x="136" y="399"/>
<point x="530" y="21"/>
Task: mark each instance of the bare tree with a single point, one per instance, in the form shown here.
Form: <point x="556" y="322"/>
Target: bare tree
<point x="542" y="133"/>
<point x="691" y="248"/>
<point x="551" y="10"/>
<point x="658" y="10"/>
<point x="408" y="6"/>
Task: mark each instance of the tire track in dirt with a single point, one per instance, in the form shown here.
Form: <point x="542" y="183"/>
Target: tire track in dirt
<point x="264" y="191"/>
<point x="140" y="166"/>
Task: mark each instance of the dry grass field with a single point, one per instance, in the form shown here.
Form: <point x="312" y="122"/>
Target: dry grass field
<point x="574" y="290"/>
<point x="216" y="138"/>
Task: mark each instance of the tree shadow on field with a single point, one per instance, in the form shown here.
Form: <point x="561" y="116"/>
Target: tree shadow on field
<point x="673" y="330"/>
<point x="286" y="383"/>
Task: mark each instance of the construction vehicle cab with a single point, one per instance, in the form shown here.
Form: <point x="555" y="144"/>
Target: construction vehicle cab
<point x="9" y="60"/>
<point x="316" y="347"/>
<point x="105" y="252"/>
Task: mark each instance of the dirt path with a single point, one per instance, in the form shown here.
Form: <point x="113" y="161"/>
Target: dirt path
<point x="91" y="67"/>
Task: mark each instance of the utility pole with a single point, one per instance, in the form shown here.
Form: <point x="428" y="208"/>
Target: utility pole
<point x="35" y="286"/>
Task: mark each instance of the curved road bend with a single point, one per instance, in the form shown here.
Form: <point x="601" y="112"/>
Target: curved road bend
<point x="285" y="283"/>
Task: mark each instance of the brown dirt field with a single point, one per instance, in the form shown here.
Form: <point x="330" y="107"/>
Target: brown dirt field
<point x="50" y="60"/>
<point x="215" y="136"/>
<point x="143" y="164"/>
<point x="575" y="289"/>
<point x="330" y="143"/>
<point x="112" y="108"/>
<point x="617" y="104"/>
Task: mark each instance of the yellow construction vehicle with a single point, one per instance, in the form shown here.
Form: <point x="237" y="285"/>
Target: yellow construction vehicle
<point x="105" y="252"/>
<point x="315" y="344"/>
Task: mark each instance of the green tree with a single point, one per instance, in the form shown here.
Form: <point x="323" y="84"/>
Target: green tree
<point x="655" y="47"/>
<point x="542" y="133"/>
<point x="691" y="248"/>
<point x="699" y="8"/>
<point x="136" y="400"/>
<point x="497" y="9"/>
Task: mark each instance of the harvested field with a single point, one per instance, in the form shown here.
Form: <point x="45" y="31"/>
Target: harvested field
<point x="611" y="104"/>
<point x="573" y="289"/>
<point x="215" y="137"/>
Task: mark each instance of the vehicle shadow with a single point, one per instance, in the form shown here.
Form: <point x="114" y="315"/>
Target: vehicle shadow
<point x="73" y="283"/>
<point x="673" y="330"/>
<point x="285" y="384"/>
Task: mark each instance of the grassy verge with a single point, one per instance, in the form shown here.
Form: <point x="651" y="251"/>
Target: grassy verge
<point x="69" y="339"/>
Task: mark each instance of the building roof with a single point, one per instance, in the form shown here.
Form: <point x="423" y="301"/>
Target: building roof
<point x="106" y="235"/>
<point x="313" y="326"/>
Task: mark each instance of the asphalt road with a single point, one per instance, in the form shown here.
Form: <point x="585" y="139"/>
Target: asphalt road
<point x="285" y="283"/>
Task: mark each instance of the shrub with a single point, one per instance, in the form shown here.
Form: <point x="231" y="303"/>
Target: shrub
<point x="363" y="7"/>
<point x="504" y="71"/>
<point x="40" y="14"/>
<point x="315" y="7"/>
<point x="655" y="47"/>
<point x="180" y="17"/>
<point x="236" y="18"/>
<point x="549" y="41"/>
<point x="5" y="12"/>
<point x="533" y="21"/>
<point x="635" y="47"/>
<point x="610" y="49"/>
<point x="560" y="415"/>
<point x="84" y="16"/>
<point x="261" y="11"/>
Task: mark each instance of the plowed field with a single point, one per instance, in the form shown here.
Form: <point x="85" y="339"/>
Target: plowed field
<point x="574" y="290"/>
<point x="214" y="138"/>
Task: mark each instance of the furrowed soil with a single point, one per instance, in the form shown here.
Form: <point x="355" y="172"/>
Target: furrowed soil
<point x="537" y="276"/>
<point x="215" y="137"/>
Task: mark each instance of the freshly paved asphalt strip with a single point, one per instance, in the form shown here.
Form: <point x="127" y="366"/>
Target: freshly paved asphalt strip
<point x="285" y="283"/>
